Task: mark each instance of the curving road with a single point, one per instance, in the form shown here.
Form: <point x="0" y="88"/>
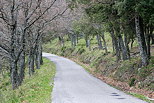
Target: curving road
<point x="72" y="84"/>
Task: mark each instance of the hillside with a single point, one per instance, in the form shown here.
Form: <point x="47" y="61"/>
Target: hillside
<point x="126" y="75"/>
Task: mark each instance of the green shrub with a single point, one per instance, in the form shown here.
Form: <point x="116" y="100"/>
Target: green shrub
<point x="132" y="82"/>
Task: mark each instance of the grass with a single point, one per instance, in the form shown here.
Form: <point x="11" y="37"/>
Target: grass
<point x="35" y="89"/>
<point x="142" y="97"/>
<point x="55" y="47"/>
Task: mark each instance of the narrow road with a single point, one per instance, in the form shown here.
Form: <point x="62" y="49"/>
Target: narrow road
<point x="72" y="84"/>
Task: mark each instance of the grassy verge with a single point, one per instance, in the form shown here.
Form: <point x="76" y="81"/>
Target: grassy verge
<point x="35" y="89"/>
<point x="142" y="97"/>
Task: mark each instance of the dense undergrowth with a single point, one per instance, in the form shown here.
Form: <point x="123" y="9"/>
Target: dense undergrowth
<point x="129" y="71"/>
<point x="36" y="89"/>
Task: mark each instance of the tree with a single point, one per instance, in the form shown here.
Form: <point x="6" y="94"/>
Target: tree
<point x="18" y="17"/>
<point x="124" y="18"/>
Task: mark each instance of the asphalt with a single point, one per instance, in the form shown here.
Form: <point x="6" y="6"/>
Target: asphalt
<point x="72" y="84"/>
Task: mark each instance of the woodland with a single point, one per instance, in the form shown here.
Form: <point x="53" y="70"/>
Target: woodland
<point x="26" y="26"/>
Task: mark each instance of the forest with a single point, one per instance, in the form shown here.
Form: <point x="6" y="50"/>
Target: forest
<point x="94" y="32"/>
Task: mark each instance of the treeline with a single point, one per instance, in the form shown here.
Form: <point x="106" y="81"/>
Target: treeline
<point x="125" y="20"/>
<point x="23" y="24"/>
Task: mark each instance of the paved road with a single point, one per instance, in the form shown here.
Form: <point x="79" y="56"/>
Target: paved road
<point x="72" y="84"/>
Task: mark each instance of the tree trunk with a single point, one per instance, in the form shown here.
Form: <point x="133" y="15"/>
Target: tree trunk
<point x="14" y="75"/>
<point x="1" y="71"/>
<point x="127" y="45"/>
<point x="41" y="57"/>
<point x="132" y="42"/>
<point x="152" y="37"/>
<point x="123" y="48"/>
<point x="151" y="34"/>
<point x="99" y="41"/>
<point x="31" y="62"/>
<point x="62" y="41"/>
<point x="104" y="41"/>
<point x="77" y="38"/>
<point x="37" y="57"/>
<point x="116" y="45"/>
<point x="148" y="32"/>
<point x="89" y="44"/>
<point x="148" y="46"/>
<point x="74" y="40"/>
<point x="141" y="41"/>
<point x="117" y="49"/>
<point x="22" y="67"/>
<point x="113" y="40"/>
<point x="14" y="60"/>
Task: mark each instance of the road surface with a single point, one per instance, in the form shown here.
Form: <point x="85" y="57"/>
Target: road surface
<point x="72" y="84"/>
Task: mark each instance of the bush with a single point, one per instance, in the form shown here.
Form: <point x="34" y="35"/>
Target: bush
<point x="132" y="82"/>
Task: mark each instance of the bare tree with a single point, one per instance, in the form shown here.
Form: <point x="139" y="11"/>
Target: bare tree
<point x="19" y="23"/>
